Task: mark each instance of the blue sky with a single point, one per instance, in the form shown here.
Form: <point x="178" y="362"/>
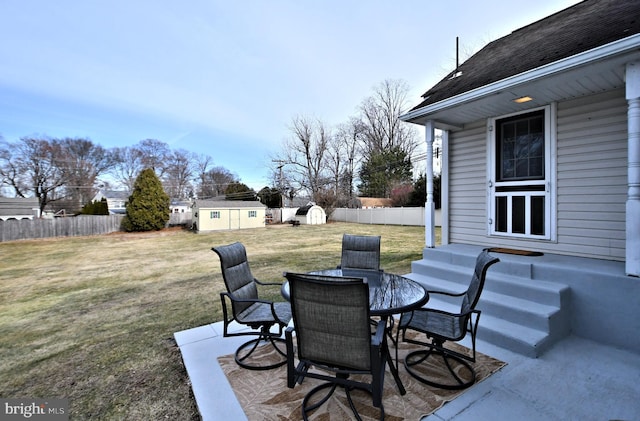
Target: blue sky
<point x="225" y="78"/>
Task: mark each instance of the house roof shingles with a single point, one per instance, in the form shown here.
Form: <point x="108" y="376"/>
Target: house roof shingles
<point x="18" y="206"/>
<point x="580" y="28"/>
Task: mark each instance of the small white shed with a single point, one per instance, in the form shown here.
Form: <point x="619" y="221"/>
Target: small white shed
<point x="311" y="214"/>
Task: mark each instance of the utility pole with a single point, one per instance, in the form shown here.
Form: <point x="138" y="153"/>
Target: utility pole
<point x="280" y="189"/>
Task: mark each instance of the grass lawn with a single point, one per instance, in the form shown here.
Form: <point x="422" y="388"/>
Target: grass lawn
<point x="91" y="319"/>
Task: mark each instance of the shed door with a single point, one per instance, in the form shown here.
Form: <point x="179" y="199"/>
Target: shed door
<point x="234" y="219"/>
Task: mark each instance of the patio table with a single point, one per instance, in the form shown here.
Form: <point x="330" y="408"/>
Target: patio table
<point x="389" y="294"/>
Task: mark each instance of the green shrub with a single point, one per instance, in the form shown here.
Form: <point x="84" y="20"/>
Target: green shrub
<point x="148" y="205"/>
<point x="97" y="207"/>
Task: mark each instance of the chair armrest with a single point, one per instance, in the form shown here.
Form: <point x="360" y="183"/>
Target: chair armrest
<point x="250" y="300"/>
<point x="266" y="283"/>
<point x="448" y="313"/>
<point x="245" y="300"/>
<point x="450" y="294"/>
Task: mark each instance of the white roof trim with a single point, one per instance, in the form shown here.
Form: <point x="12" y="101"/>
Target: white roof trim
<point x="596" y="54"/>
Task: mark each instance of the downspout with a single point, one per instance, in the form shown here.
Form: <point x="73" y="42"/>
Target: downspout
<point x="633" y="170"/>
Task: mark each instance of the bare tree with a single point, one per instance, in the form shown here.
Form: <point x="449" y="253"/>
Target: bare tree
<point x="83" y="162"/>
<point x="345" y="155"/>
<point x="380" y="114"/>
<point x="179" y="170"/>
<point x="154" y="154"/>
<point x="202" y="166"/>
<point x="305" y="155"/>
<point x="215" y="182"/>
<point x="33" y="166"/>
<point x="387" y="140"/>
<point x="128" y="163"/>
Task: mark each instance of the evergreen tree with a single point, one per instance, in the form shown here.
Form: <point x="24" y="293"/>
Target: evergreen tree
<point x="419" y="195"/>
<point x="384" y="170"/>
<point x="148" y="205"/>
<point x="239" y="191"/>
<point x="96" y="207"/>
<point x="270" y="197"/>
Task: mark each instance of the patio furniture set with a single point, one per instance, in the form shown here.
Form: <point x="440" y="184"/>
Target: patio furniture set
<point x="343" y="320"/>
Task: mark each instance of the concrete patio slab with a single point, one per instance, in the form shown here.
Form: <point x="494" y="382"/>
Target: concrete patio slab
<point x="576" y="379"/>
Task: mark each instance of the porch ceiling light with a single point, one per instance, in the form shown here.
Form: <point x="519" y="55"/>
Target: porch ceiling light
<point x="522" y="99"/>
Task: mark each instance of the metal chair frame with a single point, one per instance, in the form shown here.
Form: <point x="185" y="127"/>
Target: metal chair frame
<point x="337" y="373"/>
<point x="467" y="319"/>
<point x="241" y="308"/>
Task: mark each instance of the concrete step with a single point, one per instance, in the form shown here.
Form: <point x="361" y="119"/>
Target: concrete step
<point x="513" y="336"/>
<point x="499" y="278"/>
<point x="520" y="312"/>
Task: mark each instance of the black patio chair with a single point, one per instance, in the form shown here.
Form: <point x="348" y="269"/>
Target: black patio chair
<point x="332" y="334"/>
<point x="360" y="252"/>
<point x="248" y="309"/>
<point x="441" y="326"/>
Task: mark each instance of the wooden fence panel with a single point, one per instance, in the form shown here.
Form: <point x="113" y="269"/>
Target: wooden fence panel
<point x="59" y="227"/>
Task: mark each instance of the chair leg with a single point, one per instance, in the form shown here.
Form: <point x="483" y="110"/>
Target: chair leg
<point x="306" y="408"/>
<point x="241" y="358"/>
<point x="453" y="363"/>
<point x="305" y="402"/>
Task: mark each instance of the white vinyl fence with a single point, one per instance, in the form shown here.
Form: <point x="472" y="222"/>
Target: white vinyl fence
<point x="384" y="216"/>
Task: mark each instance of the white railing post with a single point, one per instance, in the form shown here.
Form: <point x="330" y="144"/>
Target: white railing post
<point x="429" y="206"/>
<point x="633" y="170"/>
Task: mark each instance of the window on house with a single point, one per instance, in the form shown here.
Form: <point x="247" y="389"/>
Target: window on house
<point x="520" y="185"/>
<point x="520" y="147"/>
<point x="253" y="214"/>
<point x="215" y="214"/>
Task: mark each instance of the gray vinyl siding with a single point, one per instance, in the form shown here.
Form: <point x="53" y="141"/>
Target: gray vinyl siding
<point x="467" y="184"/>
<point x="591" y="181"/>
<point x="592" y="176"/>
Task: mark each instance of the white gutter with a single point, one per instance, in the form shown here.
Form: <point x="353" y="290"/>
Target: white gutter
<point x="599" y="53"/>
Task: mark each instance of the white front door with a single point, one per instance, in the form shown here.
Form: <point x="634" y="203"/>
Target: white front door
<point x="521" y="199"/>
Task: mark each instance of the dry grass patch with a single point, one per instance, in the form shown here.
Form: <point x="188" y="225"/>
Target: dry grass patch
<point x="92" y="319"/>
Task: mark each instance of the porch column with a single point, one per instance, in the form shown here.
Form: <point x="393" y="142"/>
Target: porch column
<point x="429" y="206"/>
<point x="633" y="171"/>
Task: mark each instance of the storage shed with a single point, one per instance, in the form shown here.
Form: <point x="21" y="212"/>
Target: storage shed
<point x="217" y="215"/>
<point x="311" y="214"/>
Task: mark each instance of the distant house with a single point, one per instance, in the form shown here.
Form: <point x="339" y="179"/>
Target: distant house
<point x="375" y="202"/>
<point x="541" y="153"/>
<point x="19" y="208"/>
<point x="311" y="214"/>
<point x="178" y="206"/>
<point x="116" y="200"/>
<point x="216" y="215"/>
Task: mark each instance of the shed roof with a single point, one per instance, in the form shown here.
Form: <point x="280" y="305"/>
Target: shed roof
<point x="225" y="204"/>
<point x="303" y="210"/>
<point x="577" y="29"/>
